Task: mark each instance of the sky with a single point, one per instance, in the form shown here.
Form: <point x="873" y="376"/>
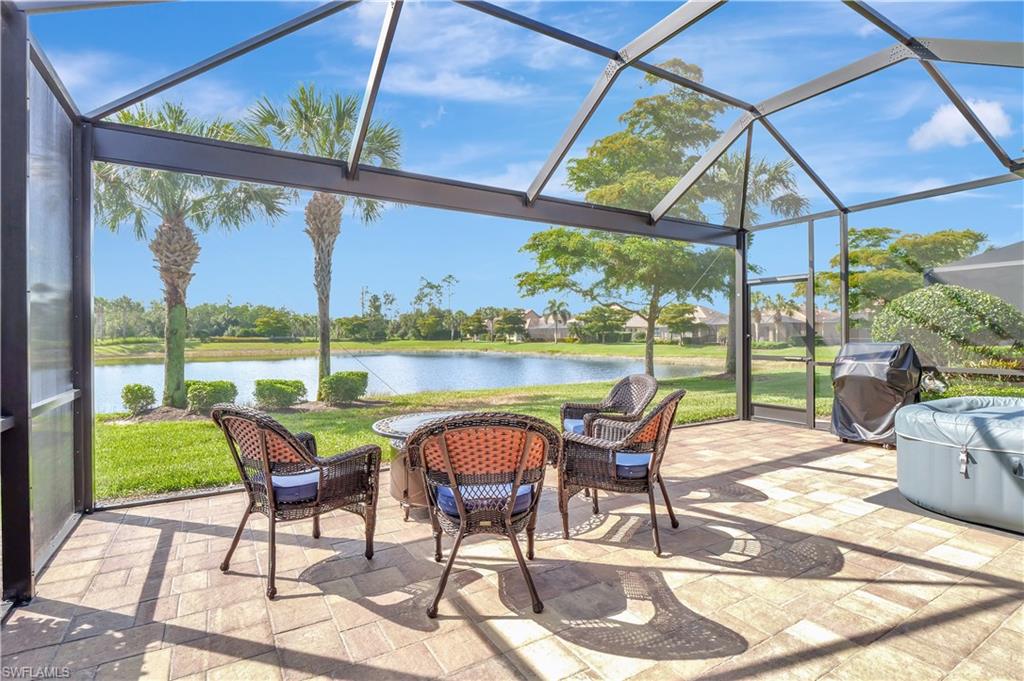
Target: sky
<point x="480" y="100"/>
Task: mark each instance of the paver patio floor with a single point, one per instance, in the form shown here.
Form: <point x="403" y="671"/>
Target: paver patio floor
<point x="795" y="558"/>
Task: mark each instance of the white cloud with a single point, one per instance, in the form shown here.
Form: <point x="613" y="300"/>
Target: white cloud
<point x="867" y="29"/>
<point x="412" y="79"/>
<point x="209" y="97"/>
<point x="947" y="127"/>
<point x="435" y="118"/>
<point x="447" y="52"/>
<point x="96" y="77"/>
<point x="514" y="176"/>
<point x="909" y="98"/>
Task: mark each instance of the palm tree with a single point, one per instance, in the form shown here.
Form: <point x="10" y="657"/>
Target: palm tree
<point x="311" y="122"/>
<point x="181" y="204"/>
<point x="769" y="184"/>
<point x="781" y="305"/>
<point x="558" y="311"/>
<point x="449" y="283"/>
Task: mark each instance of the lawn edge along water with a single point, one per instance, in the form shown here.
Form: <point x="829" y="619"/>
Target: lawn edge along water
<point x="256" y="349"/>
<point x="149" y="458"/>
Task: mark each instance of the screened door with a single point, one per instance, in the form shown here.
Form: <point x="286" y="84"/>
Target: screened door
<point x="781" y="347"/>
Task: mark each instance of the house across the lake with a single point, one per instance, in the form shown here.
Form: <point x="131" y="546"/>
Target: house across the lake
<point x="543" y="327"/>
<point x="712" y="326"/>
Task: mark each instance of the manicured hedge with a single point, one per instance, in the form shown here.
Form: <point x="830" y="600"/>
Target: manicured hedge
<point x="770" y="345"/>
<point x="343" y="387"/>
<point x="951" y="325"/>
<point x="970" y="389"/>
<point x="277" y="393"/>
<point x="138" y="398"/>
<point x="202" y="395"/>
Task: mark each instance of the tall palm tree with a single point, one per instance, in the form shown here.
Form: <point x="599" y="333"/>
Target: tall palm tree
<point x="780" y="305"/>
<point x="558" y="311"/>
<point x="181" y="205"/>
<point x="758" y="304"/>
<point x="311" y="122"/>
<point x="773" y="185"/>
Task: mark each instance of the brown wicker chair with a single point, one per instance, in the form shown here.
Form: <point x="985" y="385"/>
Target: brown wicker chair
<point x="303" y="485"/>
<point x="618" y="457"/>
<point x="626" y="402"/>
<point x="483" y="474"/>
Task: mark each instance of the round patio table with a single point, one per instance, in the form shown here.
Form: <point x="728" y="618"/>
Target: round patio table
<point x="406" y="484"/>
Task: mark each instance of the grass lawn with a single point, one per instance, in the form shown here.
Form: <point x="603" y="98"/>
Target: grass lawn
<point x="158" y="457"/>
<point x="117" y="353"/>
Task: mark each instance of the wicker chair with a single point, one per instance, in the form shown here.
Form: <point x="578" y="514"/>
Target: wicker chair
<point x="626" y="402"/>
<point x="303" y="485"/>
<point x="483" y="474"/>
<point x="618" y="457"/>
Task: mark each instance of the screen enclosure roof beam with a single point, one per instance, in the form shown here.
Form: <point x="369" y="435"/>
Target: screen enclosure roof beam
<point x="188" y="154"/>
<point x="872" y="63"/>
<point x="698" y="169"/>
<point x="981" y="52"/>
<point x="926" y="55"/>
<point x="773" y="131"/>
<point x="601" y="50"/>
<point x="894" y="200"/>
<point x="380" y="59"/>
<point x="677" y="21"/>
<point x="49" y="74"/>
<point x="969" y="115"/>
<point x="812" y="88"/>
<point x="233" y="52"/>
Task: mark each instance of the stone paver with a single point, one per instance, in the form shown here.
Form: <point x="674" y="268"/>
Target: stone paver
<point x="794" y="558"/>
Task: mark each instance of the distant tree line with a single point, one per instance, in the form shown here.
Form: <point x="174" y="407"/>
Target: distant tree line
<point x="124" y="317"/>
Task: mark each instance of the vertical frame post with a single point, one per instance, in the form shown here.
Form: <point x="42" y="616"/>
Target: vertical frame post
<point x="741" y="334"/>
<point x="741" y="296"/>
<point x="82" y="316"/>
<point x="809" y="327"/>
<point x="15" y="398"/>
<point x="844" y="278"/>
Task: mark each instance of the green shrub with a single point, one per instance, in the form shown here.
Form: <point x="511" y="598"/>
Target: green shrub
<point x="277" y="393"/>
<point x="127" y="340"/>
<point x="799" y="341"/>
<point x="951" y="325"/>
<point x="343" y="387"/>
<point x="959" y="387"/>
<point x="769" y="345"/>
<point x="202" y="395"/>
<point x="138" y="398"/>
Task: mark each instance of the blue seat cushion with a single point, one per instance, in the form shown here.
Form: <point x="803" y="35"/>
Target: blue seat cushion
<point x="573" y="426"/>
<point x="484" y="496"/>
<point x="297" y="488"/>
<point x="631" y="465"/>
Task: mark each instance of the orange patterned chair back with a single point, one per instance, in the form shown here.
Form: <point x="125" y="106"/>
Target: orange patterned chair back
<point x="260" y="446"/>
<point x="485" y="446"/>
<point x="484" y="450"/>
<point x="652" y="432"/>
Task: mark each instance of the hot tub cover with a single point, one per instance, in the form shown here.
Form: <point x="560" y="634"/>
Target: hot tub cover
<point x="994" y="424"/>
<point x="964" y="457"/>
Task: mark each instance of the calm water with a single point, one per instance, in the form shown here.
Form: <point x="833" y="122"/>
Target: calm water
<point x="391" y="373"/>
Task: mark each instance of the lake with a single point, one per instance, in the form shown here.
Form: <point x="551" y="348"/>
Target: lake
<point x="389" y="373"/>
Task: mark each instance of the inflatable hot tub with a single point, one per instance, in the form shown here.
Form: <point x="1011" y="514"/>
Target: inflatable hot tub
<point x="964" y="457"/>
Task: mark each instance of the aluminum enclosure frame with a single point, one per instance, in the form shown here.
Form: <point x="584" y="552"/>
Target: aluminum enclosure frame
<point x="183" y="153"/>
<point x="96" y="140"/>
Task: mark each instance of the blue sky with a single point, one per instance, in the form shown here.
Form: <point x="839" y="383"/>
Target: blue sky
<point x="483" y="101"/>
